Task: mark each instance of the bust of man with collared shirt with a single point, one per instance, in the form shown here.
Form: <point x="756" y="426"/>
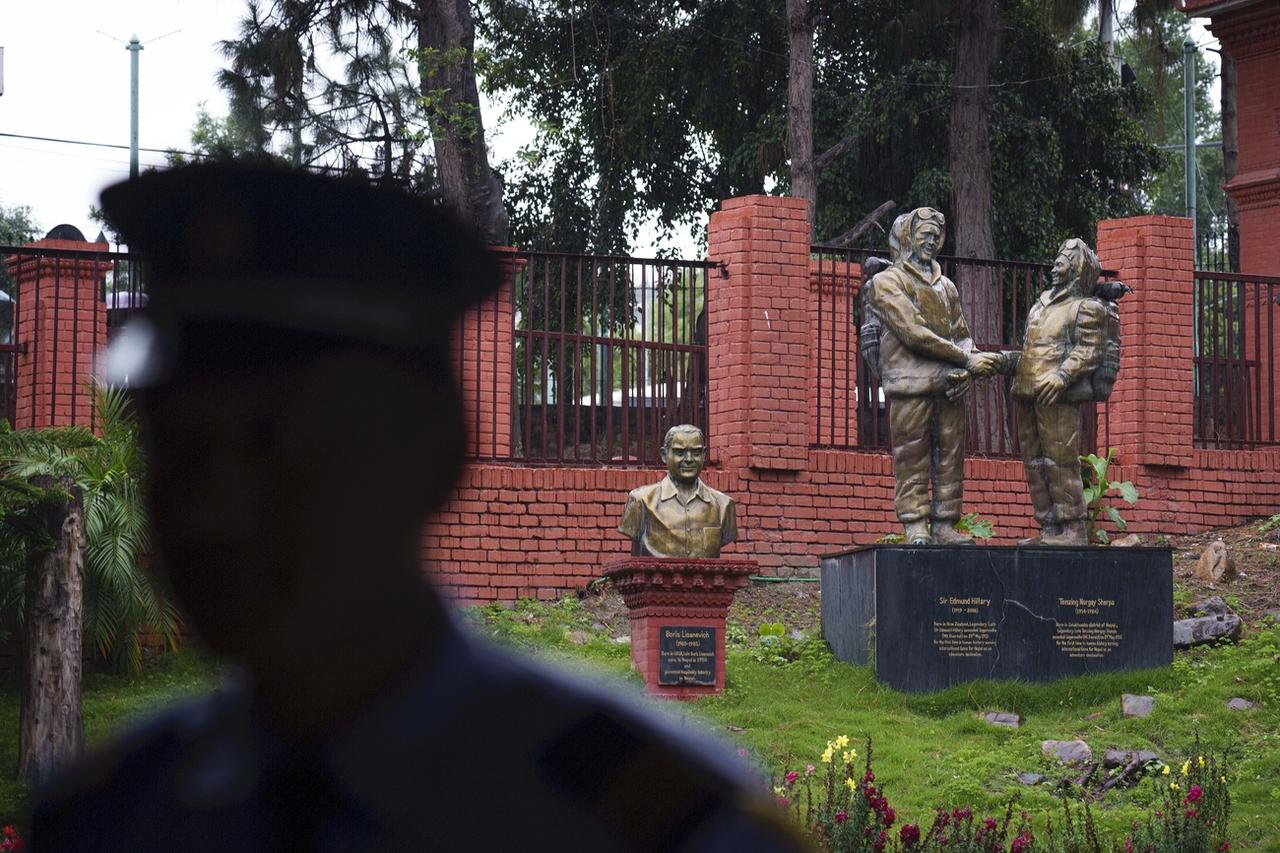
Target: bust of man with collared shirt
<point x="680" y="516"/>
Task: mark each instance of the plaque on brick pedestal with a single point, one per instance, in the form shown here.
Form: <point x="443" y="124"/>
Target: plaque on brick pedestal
<point x="677" y="608"/>
<point x="934" y="616"/>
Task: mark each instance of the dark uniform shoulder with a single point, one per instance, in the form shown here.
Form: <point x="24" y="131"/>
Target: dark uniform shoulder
<point x="115" y="785"/>
<point x="657" y="785"/>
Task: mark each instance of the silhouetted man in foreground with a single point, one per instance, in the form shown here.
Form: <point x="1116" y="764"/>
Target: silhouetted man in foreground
<point x="293" y="378"/>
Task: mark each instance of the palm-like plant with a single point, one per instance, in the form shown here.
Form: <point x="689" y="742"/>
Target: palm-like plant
<point x="121" y="600"/>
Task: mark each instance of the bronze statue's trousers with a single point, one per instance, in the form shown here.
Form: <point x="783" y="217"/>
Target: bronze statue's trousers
<point x="1050" y="440"/>
<point x="928" y="446"/>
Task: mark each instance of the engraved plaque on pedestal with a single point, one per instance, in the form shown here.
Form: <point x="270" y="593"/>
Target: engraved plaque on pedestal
<point x="687" y="655"/>
<point x="940" y="615"/>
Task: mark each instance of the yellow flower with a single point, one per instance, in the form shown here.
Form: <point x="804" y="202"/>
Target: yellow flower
<point x="1165" y="771"/>
<point x="842" y="741"/>
<point x="778" y="791"/>
<point x="1186" y="767"/>
<point x="1173" y="786"/>
<point x="826" y="755"/>
<point x="1200" y="761"/>
<point x="849" y="755"/>
<point x="1223" y="780"/>
<point x="852" y="784"/>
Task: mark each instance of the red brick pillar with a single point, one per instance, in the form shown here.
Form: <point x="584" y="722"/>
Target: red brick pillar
<point x="60" y="323"/>
<point x="1150" y="410"/>
<point x="759" y="333"/>
<point x="482" y="354"/>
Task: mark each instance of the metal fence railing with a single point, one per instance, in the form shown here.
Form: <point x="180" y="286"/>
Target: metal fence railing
<point x="610" y="352"/>
<point x="852" y="411"/>
<point x="39" y="306"/>
<point x="1237" y="322"/>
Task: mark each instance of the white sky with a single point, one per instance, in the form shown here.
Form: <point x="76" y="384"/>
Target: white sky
<point x="63" y="79"/>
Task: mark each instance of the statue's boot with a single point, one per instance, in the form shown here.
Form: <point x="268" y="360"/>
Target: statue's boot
<point x="1072" y="534"/>
<point x="1049" y="529"/>
<point x="917" y="532"/>
<point x="945" y="533"/>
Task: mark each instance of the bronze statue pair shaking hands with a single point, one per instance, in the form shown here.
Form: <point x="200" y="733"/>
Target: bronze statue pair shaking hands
<point x="915" y="337"/>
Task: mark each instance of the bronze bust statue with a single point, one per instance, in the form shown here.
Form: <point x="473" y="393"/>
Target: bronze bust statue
<point x="925" y="362"/>
<point x="679" y="516"/>
<point x="1065" y="345"/>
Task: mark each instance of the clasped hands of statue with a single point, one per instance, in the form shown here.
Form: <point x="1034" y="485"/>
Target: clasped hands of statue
<point x="983" y="364"/>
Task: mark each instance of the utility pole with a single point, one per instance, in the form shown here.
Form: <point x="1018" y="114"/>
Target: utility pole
<point x="1189" y="131"/>
<point x="133" y="47"/>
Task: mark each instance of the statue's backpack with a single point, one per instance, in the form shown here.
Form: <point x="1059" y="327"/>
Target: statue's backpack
<point x="870" y="330"/>
<point x="1104" y="376"/>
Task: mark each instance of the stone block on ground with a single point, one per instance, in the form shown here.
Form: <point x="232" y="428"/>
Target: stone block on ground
<point x="1238" y="704"/>
<point x="1031" y="778"/>
<point x="1133" y="540"/>
<point x="1113" y="758"/>
<point x="1213" y="621"/>
<point x="1136" y="706"/>
<point x="1215" y="564"/>
<point x="1000" y="718"/>
<point x="1068" y="751"/>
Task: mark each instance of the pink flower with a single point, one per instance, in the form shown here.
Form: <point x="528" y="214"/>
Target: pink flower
<point x="962" y="814"/>
<point x="909" y="834"/>
<point x="1128" y="845"/>
<point x="1195" y="794"/>
<point x="1224" y="847"/>
<point x="1021" y="843"/>
<point x="784" y="802"/>
<point x="742" y="752"/>
<point x="808" y="770"/>
<point x="990" y="824"/>
<point x="791" y="777"/>
<point x="841" y="817"/>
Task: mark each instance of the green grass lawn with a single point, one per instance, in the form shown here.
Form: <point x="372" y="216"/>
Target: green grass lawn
<point x="784" y="704"/>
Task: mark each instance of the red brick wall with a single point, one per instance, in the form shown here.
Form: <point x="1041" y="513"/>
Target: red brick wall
<point x="515" y="532"/>
<point x="61" y="323"/>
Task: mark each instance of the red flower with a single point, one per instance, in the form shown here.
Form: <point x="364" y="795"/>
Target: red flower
<point x="881" y="840"/>
<point x="10" y="832"/>
<point x="841" y="817"/>
<point x="784" y="802"/>
<point x="909" y="834"/>
<point x="792" y="777"/>
<point x="868" y="777"/>
<point x="888" y="815"/>
<point x="1194" y="794"/>
<point x="990" y="824"/>
<point x="1021" y="843"/>
<point x="1224" y="846"/>
<point x="962" y="814"/>
<point x="1191" y="813"/>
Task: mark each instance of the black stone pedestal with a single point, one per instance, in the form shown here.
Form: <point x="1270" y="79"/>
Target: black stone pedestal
<point x="941" y="615"/>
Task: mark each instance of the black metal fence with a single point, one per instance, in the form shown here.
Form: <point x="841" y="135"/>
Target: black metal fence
<point x="1237" y="322"/>
<point x="610" y="352"/>
<point x="852" y="412"/>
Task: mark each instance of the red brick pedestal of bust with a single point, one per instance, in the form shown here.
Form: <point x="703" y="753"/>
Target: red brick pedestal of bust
<point x="680" y="599"/>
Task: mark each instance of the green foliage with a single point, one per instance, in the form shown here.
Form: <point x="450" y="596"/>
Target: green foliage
<point x="1096" y="487"/>
<point x="331" y="79"/>
<point x="16" y="229"/>
<point x="974" y="525"/>
<point x="634" y="121"/>
<point x="776" y="648"/>
<point x="892" y="539"/>
<point x="121" y="598"/>
<point x="1269" y="524"/>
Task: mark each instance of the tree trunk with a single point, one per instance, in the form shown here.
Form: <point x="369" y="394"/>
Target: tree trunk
<point x="1230" y="157"/>
<point x="51" y="720"/>
<point x="447" y="35"/>
<point x="800" y="105"/>
<point x="971" y="197"/>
